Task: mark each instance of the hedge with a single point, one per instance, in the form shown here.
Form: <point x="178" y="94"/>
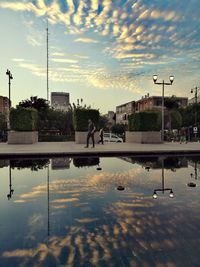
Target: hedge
<point x="23" y="119"/>
<point x="85" y="162"/>
<point x="81" y="117"/>
<point x="144" y="121"/>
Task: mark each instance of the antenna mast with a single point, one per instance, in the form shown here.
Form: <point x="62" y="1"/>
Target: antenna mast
<point x="47" y="29"/>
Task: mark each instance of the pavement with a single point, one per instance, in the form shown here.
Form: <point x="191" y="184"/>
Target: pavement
<point x="53" y="149"/>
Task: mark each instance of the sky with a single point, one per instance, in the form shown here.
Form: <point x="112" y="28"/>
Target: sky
<point x="103" y="51"/>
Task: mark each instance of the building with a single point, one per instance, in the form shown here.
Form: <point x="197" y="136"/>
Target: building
<point x="4" y="105"/>
<point x="124" y="110"/>
<point x="111" y="117"/>
<point x="60" y="101"/>
<point x="145" y="103"/>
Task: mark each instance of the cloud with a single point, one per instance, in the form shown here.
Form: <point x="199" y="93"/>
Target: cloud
<point x="64" y="60"/>
<point x="32" y="41"/>
<point x="18" y="60"/>
<point x="86" y="40"/>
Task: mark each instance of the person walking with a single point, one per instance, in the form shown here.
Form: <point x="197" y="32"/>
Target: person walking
<point x="91" y="131"/>
<point x="101" y="136"/>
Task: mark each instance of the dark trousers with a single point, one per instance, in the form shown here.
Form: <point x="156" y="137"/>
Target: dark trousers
<point x="101" y="139"/>
<point x="90" y="135"/>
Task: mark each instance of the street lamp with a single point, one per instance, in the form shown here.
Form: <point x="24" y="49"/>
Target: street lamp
<point x="163" y="189"/>
<point x="163" y="83"/>
<point x="10" y="77"/>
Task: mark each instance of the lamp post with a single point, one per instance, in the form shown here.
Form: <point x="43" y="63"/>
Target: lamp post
<point x="10" y="77"/>
<point x="163" y="189"/>
<point x="163" y="83"/>
<point x="195" y="91"/>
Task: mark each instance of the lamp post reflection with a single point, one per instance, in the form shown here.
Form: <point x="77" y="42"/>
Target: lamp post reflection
<point x="163" y="189"/>
<point x="9" y="195"/>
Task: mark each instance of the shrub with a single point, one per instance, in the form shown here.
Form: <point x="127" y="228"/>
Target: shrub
<point x="81" y="116"/>
<point x="85" y="162"/>
<point x="23" y="119"/>
<point x="144" y="121"/>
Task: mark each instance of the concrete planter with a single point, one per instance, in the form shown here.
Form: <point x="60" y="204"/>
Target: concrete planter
<point x="15" y="137"/>
<point x="81" y="137"/>
<point x="143" y="137"/>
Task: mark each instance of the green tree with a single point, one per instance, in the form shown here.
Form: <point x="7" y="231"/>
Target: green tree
<point x="188" y="114"/>
<point x="35" y="102"/>
<point x="104" y="123"/>
<point x="173" y="115"/>
<point x="119" y="128"/>
<point x="3" y="122"/>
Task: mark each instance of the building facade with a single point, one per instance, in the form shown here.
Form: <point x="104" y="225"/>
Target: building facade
<point x="4" y="105"/>
<point x="60" y="101"/>
<point x="145" y="103"/>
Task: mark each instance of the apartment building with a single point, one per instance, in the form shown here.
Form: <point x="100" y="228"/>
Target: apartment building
<point x="145" y="103"/>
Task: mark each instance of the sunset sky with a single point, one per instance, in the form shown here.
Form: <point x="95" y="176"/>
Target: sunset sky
<point x="104" y="51"/>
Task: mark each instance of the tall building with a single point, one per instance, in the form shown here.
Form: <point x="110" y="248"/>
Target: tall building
<point x="145" y="103"/>
<point x="111" y="117"/>
<point x="4" y="105"/>
<point x="60" y="101"/>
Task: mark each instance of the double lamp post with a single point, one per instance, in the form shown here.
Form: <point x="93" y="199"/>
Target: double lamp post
<point x="10" y="77"/>
<point x="163" y="83"/>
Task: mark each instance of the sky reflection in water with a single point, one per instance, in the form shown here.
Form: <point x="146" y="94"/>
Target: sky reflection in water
<point x="65" y="212"/>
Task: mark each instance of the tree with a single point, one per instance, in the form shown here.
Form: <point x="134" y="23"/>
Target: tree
<point x="3" y="122"/>
<point x="103" y="123"/>
<point x="119" y="128"/>
<point x="172" y="105"/>
<point x="35" y="102"/>
<point x="188" y="114"/>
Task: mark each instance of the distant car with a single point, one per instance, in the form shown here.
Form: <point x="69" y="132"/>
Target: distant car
<point x="110" y="137"/>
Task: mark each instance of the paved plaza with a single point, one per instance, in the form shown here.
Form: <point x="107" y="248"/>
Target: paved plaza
<point x="72" y="149"/>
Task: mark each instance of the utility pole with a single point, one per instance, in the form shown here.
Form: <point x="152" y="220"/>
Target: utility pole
<point x="47" y="29"/>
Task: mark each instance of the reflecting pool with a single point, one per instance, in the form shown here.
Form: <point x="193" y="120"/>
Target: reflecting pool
<point x="140" y="212"/>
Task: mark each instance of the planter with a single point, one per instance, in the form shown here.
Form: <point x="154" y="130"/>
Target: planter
<point x="81" y="137"/>
<point x="143" y="137"/>
<point x="19" y="137"/>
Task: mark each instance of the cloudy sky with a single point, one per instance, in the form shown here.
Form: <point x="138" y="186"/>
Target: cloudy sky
<point x="104" y="51"/>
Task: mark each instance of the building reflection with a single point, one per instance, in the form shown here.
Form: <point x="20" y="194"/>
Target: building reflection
<point x="156" y="162"/>
<point x="60" y="163"/>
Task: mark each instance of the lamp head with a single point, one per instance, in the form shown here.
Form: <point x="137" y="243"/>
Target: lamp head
<point x="155" y="77"/>
<point x="11" y="77"/>
<point x="191" y="91"/>
<point x="155" y="196"/>
<point x="7" y="72"/>
<point x="171" y="78"/>
<point x="171" y="194"/>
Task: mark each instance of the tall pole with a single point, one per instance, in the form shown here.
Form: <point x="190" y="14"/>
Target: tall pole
<point x="47" y="29"/>
<point x="163" y="124"/>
